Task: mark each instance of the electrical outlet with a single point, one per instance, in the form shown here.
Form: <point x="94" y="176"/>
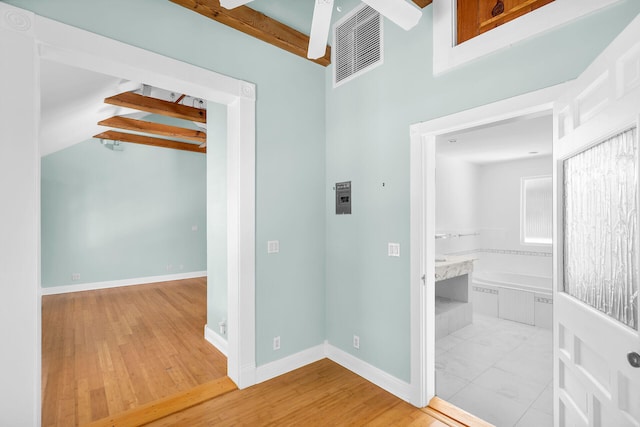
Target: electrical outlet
<point x="75" y="276"/>
<point x="169" y="267"/>
<point x="273" y="246"/>
<point x="356" y="342"/>
<point x="276" y="343"/>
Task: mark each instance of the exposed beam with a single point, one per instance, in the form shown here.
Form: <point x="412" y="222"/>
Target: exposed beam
<point x="149" y="140"/>
<point x="158" y="106"/>
<point x="258" y="25"/>
<point x="423" y="3"/>
<point x="154" y="128"/>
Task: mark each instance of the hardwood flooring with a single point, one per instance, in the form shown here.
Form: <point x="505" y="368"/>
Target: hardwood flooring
<point x="107" y="351"/>
<point x="321" y="394"/>
<point x="136" y="356"/>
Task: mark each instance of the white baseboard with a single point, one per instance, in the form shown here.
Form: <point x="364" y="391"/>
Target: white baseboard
<point x="117" y="283"/>
<point x="289" y="363"/>
<point x="369" y="372"/>
<point x="388" y="382"/>
<point x="215" y="340"/>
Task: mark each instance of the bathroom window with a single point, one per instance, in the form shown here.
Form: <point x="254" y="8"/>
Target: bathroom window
<point x="536" y="210"/>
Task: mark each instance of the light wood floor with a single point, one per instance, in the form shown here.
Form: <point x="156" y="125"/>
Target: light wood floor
<point x="139" y="353"/>
<point x="107" y="351"/>
<point x="320" y="394"/>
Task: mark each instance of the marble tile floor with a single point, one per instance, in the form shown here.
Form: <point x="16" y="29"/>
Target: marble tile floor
<point x="499" y="370"/>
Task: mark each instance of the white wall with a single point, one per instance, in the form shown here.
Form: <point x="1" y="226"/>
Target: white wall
<point x="19" y="229"/>
<point x="486" y="199"/>
<point x="499" y="215"/>
<point x="456" y="204"/>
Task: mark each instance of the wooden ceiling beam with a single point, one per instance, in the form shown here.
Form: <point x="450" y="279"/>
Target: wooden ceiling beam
<point x="158" y="106"/>
<point x="258" y="25"/>
<point x="149" y="140"/>
<point x="423" y="3"/>
<point x="126" y="123"/>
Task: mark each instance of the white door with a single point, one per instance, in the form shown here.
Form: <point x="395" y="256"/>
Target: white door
<point x="596" y="250"/>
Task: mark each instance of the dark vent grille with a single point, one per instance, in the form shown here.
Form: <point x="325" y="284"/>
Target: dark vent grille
<point x="358" y="44"/>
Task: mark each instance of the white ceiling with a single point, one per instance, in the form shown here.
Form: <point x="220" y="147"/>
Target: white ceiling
<point x="72" y="104"/>
<point x="509" y="140"/>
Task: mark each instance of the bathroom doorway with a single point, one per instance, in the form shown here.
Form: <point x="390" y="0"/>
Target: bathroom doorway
<point x="424" y="139"/>
<point x="493" y="270"/>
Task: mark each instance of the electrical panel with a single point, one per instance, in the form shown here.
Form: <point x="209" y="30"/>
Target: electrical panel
<point x="343" y="198"/>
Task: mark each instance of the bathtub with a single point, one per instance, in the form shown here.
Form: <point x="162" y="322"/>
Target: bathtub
<point x="511" y="296"/>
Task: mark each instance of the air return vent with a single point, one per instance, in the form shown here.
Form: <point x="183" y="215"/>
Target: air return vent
<point x="357" y="44"/>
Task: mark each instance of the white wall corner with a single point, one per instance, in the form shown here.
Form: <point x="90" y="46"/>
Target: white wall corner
<point x="388" y="382"/>
<point x="118" y="283"/>
<point x="290" y="363"/>
<point x="215" y="340"/>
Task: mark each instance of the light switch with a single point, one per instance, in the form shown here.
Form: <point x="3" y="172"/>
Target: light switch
<point x="394" y="249"/>
<point x="273" y="246"/>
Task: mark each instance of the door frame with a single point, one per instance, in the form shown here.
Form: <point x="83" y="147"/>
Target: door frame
<point x="36" y="38"/>
<point x="422" y="220"/>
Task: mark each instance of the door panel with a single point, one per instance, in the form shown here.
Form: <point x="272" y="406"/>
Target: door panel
<point x="600" y="200"/>
<point x="596" y="256"/>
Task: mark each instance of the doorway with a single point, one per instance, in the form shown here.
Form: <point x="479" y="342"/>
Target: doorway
<point x="493" y="255"/>
<point x="424" y="137"/>
<point x="29" y="39"/>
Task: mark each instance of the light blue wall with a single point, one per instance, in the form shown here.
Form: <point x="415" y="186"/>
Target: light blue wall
<point x="289" y="147"/>
<point x="368" y="123"/>
<point x="310" y="136"/>
<point x="112" y="215"/>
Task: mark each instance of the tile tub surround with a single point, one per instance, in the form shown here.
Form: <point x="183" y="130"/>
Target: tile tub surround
<point x="499" y="370"/>
<point x="523" y="298"/>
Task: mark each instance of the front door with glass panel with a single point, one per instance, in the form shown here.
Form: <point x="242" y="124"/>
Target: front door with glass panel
<point x="596" y="249"/>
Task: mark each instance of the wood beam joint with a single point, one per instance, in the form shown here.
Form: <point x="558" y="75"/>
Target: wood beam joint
<point x="423" y="3"/>
<point x="149" y="140"/>
<point x="158" y="106"/>
<point x="126" y="123"/>
<point x="258" y="25"/>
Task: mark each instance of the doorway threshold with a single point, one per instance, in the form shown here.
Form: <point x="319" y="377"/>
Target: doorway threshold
<point x="452" y="415"/>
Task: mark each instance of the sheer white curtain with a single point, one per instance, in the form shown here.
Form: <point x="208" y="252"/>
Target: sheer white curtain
<point x="601" y="227"/>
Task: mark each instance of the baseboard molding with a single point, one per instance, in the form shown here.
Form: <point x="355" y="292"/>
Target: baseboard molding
<point x="289" y="363"/>
<point x="369" y="372"/>
<point x="117" y="283"/>
<point x="215" y="340"/>
<point x="388" y="382"/>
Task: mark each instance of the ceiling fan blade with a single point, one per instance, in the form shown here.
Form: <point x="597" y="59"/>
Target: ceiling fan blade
<point x="399" y="12"/>
<point x="230" y="4"/>
<point x="320" y="29"/>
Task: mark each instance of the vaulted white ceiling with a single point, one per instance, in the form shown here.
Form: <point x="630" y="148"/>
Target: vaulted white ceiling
<point x="72" y="103"/>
